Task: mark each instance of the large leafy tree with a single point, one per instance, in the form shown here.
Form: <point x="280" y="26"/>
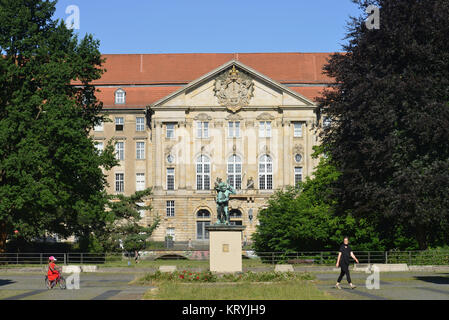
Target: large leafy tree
<point x="389" y="132"/>
<point x="124" y="228"/>
<point x="51" y="177"/>
<point x="304" y="219"/>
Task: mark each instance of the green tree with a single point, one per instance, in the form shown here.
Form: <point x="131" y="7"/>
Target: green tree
<point x="123" y="224"/>
<point x="304" y="219"/>
<point x="51" y="177"/>
<point x="389" y="132"/>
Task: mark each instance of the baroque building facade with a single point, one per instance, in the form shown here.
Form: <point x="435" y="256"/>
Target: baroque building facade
<point x="180" y="122"/>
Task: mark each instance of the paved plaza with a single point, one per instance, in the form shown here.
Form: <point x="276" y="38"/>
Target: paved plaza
<point x="93" y="286"/>
<point x="116" y="286"/>
<point x="393" y="286"/>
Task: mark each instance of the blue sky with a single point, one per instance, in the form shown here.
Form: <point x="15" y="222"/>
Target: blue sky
<point x="180" y="26"/>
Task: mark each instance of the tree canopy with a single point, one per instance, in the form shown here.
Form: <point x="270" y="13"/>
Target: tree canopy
<point x="51" y="177"/>
<point x="389" y="132"/>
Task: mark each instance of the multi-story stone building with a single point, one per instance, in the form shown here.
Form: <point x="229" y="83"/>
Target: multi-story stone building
<point x="180" y="121"/>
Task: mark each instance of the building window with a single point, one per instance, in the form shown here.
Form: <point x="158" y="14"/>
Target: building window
<point x="201" y="232"/>
<point x="170" y="233"/>
<point x="99" y="146"/>
<point x="120" y="96"/>
<point x="170" y="178"/>
<point x="140" y="181"/>
<point x="119" y="124"/>
<point x="327" y="121"/>
<point x="297" y="129"/>
<point x="99" y="127"/>
<point x="298" y="176"/>
<point x="140" y="124"/>
<point x="170" y="208"/>
<point x="265" y="129"/>
<point x="202" y="129"/>
<point x="170" y="130"/>
<point x="202" y="173"/>
<point x="235" y="171"/>
<point x="140" y="150"/>
<point x="119" y="182"/>
<point x="234" y="129"/>
<point x="265" y="173"/>
<point x="120" y="150"/>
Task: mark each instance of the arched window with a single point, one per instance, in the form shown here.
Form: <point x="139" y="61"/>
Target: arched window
<point x="235" y="214"/>
<point x="203" y="214"/>
<point x="120" y="96"/>
<point x="203" y="173"/>
<point x="265" y="172"/>
<point x="235" y="171"/>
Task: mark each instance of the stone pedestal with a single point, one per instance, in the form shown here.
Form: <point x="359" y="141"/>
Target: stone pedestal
<point x="225" y="245"/>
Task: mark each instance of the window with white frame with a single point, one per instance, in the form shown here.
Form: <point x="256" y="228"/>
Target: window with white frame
<point x="170" y="130"/>
<point x="203" y="173"/>
<point x="99" y="146"/>
<point x="140" y="181"/>
<point x="120" y="150"/>
<point x="202" y="129"/>
<point x="170" y="178"/>
<point x="140" y="150"/>
<point x="119" y="123"/>
<point x="170" y="233"/>
<point x="327" y="121"/>
<point x="264" y="129"/>
<point x="265" y="172"/>
<point x="119" y="182"/>
<point x="298" y="176"/>
<point x="140" y="123"/>
<point x="234" y="171"/>
<point x="297" y="129"/>
<point x="120" y="96"/>
<point x="99" y="127"/>
<point x="234" y="129"/>
<point x="170" y="208"/>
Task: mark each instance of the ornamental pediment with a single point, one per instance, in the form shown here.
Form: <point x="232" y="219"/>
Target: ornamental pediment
<point x="234" y="87"/>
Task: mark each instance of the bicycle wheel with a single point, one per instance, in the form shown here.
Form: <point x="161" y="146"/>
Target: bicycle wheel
<point x="47" y="283"/>
<point x="62" y="285"/>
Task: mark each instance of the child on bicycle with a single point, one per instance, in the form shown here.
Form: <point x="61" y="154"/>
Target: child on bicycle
<point x="53" y="271"/>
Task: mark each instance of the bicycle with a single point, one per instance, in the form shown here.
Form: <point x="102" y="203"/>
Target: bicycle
<point x="60" y="281"/>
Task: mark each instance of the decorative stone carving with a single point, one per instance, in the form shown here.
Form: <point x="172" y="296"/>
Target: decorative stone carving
<point x="234" y="117"/>
<point x="265" y="116"/>
<point x="203" y="117"/>
<point x="298" y="149"/>
<point x="234" y="89"/>
<point x="218" y="124"/>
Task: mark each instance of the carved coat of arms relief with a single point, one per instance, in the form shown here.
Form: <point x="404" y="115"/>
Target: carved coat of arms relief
<point x="234" y="89"/>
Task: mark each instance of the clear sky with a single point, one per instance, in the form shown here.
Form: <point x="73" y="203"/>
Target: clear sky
<point x="182" y="26"/>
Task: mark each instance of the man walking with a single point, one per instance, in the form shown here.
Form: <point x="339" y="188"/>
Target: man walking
<point x="343" y="262"/>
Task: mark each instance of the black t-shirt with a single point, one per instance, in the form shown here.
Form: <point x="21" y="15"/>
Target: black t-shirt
<point x="345" y="254"/>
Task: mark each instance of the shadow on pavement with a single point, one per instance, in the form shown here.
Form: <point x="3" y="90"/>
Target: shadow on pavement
<point x="4" y="282"/>
<point x="434" y="279"/>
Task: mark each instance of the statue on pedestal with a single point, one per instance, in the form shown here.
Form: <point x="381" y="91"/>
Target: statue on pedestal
<point x="223" y="191"/>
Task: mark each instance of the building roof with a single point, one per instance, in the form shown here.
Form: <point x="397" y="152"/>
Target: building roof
<point x="147" y="78"/>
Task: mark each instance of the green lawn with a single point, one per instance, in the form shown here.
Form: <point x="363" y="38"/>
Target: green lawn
<point x="291" y="290"/>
